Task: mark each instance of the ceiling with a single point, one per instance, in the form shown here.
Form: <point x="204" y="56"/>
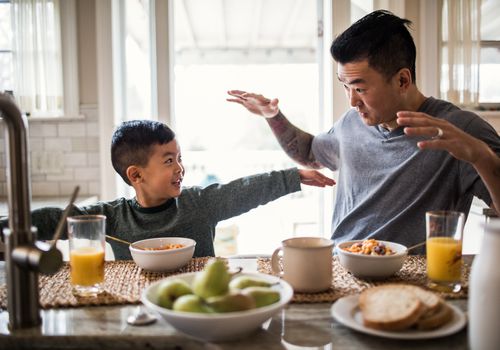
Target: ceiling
<point x="267" y="31"/>
<point x="245" y="30"/>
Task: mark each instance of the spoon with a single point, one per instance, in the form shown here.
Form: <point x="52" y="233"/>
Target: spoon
<point x="141" y="317"/>
<point x="416" y="246"/>
<point x="118" y="240"/>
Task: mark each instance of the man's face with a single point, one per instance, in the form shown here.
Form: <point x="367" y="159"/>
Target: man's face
<point x="374" y="97"/>
<point x="162" y="176"/>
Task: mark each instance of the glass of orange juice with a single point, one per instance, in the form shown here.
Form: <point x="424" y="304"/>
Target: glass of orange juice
<point x="86" y="234"/>
<point x="444" y="249"/>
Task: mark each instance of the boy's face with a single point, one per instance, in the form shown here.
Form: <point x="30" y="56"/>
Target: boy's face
<point x="162" y="176"/>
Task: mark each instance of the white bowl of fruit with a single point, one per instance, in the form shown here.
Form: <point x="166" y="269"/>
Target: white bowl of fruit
<point x="215" y="305"/>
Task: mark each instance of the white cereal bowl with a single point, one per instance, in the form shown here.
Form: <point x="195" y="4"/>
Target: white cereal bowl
<point x="165" y="259"/>
<point x="372" y="266"/>
<point x="220" y="326"/>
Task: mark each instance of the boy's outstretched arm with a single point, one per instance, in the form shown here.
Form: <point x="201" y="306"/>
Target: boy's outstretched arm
<point x="315" y="178"/>
<point x="294" y="141"/>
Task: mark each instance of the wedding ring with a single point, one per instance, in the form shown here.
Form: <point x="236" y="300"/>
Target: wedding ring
<point x="439" y="134"/>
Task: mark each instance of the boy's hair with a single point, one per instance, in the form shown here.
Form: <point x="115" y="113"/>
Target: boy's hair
<point x="132" y="142"/>
<point x="383" y="39"/>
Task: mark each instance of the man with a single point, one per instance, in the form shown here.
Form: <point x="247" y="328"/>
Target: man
<point x="386" y="183"/>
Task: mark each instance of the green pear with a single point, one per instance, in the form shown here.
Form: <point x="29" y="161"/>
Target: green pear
<point x="191" y="303"/>
<point x="213" y="280"/>
<point x="242" y="282"/>
<point x="231" y="302"/>
<point x="263" y="296"/>
<point x="169" y="290"/>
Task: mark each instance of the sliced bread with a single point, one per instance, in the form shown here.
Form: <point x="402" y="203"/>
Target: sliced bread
<point x="431" y="301"/>
<point x="432" y="320"/>
<point x="390" y="307"/>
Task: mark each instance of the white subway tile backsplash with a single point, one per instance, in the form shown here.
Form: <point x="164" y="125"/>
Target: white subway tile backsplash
<point x="38" y="177"/>
<point x="79" y="144"/>
<point x="94" y="187"/>
<point x="52" y="143"/>
<point x="67" y="175"/>
<point x="45" y="188"/>
<point x="71" y="129"/>
<point x="93" y="158"/>
<point x="47" y="162"/>
<point x="93" y="129"/>
<point x="40" y="129"/>
<point x="93" y="144"/>
<point x="75" y="159"/>
<point x="67" y="188"/>
<point x="86" y="174"/>
<point x="63" y="154"/>
<point x="35" y="143"/>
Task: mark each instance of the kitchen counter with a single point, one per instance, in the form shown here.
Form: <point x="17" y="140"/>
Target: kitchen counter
<point x="298" y="326"/>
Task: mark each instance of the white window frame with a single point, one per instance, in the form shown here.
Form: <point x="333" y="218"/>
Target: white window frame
<point x="69" y="48"/>
<point x="7" y="51"/>
<point x="336" y="17"/>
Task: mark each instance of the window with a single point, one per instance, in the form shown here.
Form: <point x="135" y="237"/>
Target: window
<point x="475" y="63"/>
<point x="270" y="49"/>
<point x="135" y="61"/>
<point x="489" y="70"/>
<point x="32" y="65"/>
<point x="6" y="79"/>
<point x="133" y="66"/>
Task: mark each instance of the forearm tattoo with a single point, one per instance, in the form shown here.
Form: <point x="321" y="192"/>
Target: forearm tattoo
<point x="496" y="170"/>
<point x="295" y="142"/>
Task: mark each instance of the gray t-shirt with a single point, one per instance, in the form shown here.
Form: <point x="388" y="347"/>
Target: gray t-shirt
<point x="194" y="214"/>
<point x="386" y="183"/>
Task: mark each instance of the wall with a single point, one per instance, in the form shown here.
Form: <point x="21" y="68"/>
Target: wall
<point x="87" y="58"/>
<point x="64" y="152"/>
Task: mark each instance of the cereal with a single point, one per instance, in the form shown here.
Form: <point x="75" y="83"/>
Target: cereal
<point x="166" y="247"/>
<point x="369" y="247"/>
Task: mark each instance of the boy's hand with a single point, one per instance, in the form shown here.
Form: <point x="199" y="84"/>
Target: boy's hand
<point x="314" y="178"/>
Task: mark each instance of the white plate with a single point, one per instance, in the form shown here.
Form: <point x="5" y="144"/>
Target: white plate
<point x="347" y="312"/>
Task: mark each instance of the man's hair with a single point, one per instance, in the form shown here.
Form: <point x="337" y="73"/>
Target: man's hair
<point x="380" y="37"/>
<point x="132" y="143"/>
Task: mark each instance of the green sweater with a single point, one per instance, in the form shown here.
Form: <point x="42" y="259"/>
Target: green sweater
<point x="194" y="214"/>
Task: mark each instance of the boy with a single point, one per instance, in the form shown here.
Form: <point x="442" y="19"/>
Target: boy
<point x="147" y="156"/>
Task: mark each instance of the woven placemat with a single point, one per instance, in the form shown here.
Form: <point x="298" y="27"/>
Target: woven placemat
<point x="124" y="282"/>
<point x="343" y="283"/>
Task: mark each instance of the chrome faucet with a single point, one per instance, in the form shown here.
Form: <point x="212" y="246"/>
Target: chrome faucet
<point x="24" y="256"/>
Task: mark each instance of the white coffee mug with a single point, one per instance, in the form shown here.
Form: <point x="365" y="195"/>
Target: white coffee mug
<point x="307" y="263"/>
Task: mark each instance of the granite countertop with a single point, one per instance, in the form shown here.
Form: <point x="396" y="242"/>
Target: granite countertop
<point x="298" y="326"/>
